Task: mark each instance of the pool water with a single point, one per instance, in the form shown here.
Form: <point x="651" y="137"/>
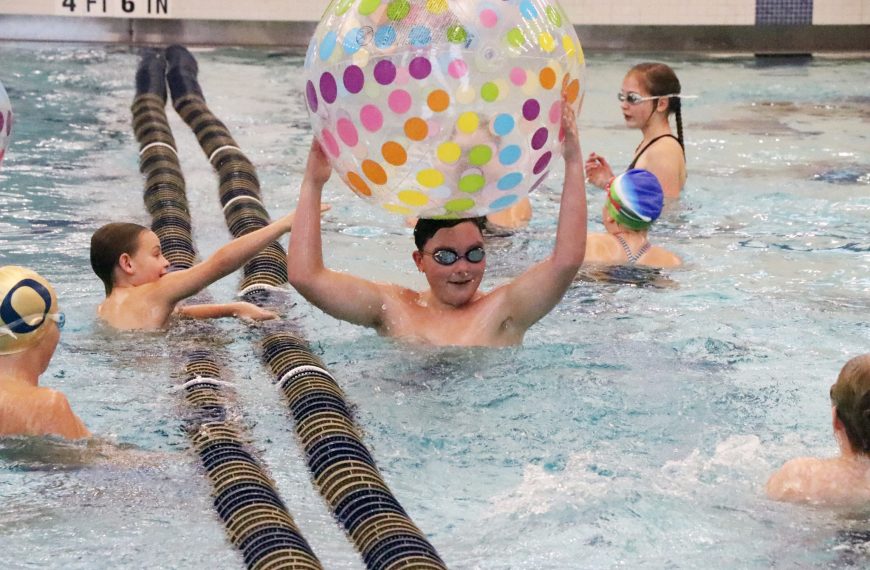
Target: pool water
<point x="635" y="428"/>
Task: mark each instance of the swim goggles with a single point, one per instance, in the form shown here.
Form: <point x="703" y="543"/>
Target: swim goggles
<point x="8" y="329"/>
<point x="635" y="98"/>
<point x="449" y="257"/>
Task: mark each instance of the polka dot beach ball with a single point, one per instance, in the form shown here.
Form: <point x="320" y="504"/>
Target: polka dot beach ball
<point x="442" y="108"/>
<point x="5" y="122"/>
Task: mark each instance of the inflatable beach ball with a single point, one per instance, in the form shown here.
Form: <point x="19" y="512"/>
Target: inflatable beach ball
<point x="5" y="122"/>
<point x="442" y="108"/>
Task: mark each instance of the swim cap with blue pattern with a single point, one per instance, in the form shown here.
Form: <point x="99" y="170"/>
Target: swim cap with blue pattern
<point x="25" y="299"/>
<point x="635" y="199"/>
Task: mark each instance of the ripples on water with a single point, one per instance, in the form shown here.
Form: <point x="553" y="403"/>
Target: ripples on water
<point x="635" y="428"/>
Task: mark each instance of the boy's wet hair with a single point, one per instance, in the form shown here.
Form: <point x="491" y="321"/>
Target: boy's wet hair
<point x="851" y="395"/>
<point x="108" y="244"/>
<point x="426" y="228"/>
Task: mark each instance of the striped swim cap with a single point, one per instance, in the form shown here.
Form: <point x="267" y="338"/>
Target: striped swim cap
<point x="25" y="300"/>
<point x="635" y="199"/>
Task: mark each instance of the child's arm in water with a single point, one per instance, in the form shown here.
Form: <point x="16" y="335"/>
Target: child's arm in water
<point x="343" y="296"/>
<point x="534" y="293"/>
<point x="240" y="309"/>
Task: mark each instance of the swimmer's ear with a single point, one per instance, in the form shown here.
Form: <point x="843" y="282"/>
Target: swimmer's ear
<point x="125" y="262"/>
<point x="418" y="260"/>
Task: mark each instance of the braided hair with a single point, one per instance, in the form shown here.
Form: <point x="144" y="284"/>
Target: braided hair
<point x="660" y="79"/>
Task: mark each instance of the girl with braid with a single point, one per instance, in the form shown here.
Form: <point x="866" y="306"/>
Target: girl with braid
<point x="842" y="480"/>
<point x="650" y="94"/>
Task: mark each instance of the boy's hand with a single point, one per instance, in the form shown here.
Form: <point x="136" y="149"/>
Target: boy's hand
<point x="571" y="144"/>
<point x="318" y="168"/>
<point x="289" y="218"/>
<point x="251" y="312"/>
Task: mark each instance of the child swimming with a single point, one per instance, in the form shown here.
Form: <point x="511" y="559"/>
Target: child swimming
<point x="30" y="324"/>
<point x="650" y="94"/>
<point x="843" y="480"/>
<point x="634" y="202"/>
<point x="141" y="293"/>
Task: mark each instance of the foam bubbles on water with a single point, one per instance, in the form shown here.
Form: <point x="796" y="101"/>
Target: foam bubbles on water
<point x="540" y="490"/>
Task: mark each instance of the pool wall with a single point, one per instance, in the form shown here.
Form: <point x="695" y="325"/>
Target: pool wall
<point x="760" y="26"/>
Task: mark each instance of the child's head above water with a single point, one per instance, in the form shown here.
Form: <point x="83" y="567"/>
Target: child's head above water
<point x="851" y="395"/>
<point x="116" y="240"/>
<point x="27" y="303"/>
<point x="635" y="199"/>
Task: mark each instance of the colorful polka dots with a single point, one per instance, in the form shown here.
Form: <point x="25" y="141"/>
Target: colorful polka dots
<point x="503" y="124"/>
<point x="457" y="69"/>
<point x="399" y="101"/>
<point x="547" y="77"/>
<point x="329" y="143"/>
<point x="327" y="45"/>
<point x="420" y="68"/>
<point x="385" y="36"/>
<point x="471" y="183"/>
<point x="480" y="155"/>
<point x="531" y="109"/>
<point x="358" y="184"/>
<point x="367" y="7"/>
<point x="416" y="129"/>
<point x="353" y="79"/>
<point x="328" y="88"/>
<point x="489" y="92"/>
<point x="374" y="172"/>
<point x="347" y="132"/>
<point x="394" y="153"/>
<point x="449" y="152"/>
<point x="438" y="100"/>
<point x="510" y="154"/>
<point x="385" y="72"/>
<point x="398" y="9"/>
<point x="430" y="178"/>
<point x="430" y="110"/>
<point x="488" y="18"/>
<point x="371" y="118"/>
<point x="468" y="122"/>
<point x="509" y="181"/>
<point x="413" y="198"/>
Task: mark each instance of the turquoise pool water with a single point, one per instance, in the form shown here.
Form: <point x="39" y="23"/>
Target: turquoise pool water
<point x="635" y="428"/>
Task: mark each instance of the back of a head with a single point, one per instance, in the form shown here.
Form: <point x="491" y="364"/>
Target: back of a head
<point x="635" y="199"/>
<point x="107" y="245"/>
<point x="851" y="395"/>
<point x="427" y="227"/>
<point x="25" y="299"/>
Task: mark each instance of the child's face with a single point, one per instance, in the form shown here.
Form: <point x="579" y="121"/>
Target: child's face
<point x="148" y="262"/>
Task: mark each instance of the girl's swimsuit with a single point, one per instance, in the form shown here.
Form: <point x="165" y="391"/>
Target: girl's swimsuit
<point x="649" y="144"/>
<point x="633" y="257"/>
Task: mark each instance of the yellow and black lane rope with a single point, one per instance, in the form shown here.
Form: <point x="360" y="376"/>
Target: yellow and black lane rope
<point x="239" y="186"/>
<point x="342" y="468"/>
<point x="256" y="520"/>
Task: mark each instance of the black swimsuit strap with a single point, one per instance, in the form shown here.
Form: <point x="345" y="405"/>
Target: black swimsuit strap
<point x="649" y="144"/>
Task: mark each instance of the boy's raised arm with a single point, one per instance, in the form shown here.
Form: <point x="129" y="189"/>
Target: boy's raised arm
<point x="174" y="287"/>
<point x="343" y="296"/>
<point x="534" y="293"/>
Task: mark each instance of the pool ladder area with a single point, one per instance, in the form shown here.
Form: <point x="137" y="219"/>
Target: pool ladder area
<point x="344" y="471"/>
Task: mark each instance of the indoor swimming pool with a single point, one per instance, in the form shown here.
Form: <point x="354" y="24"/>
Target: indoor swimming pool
<point x="635" y="428"/>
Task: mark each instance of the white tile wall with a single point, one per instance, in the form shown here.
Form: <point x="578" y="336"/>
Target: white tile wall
<point x="841" y="12"/>
<point x="662" y="12"/>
